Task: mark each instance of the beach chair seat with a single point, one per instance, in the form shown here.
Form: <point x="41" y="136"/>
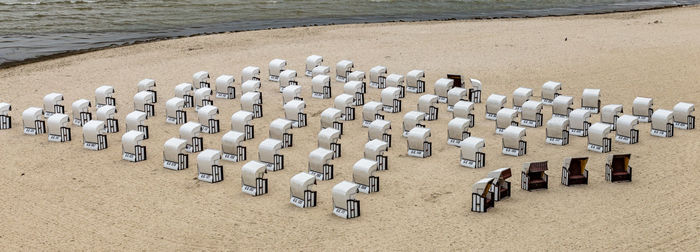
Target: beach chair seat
<point x="300" y="191"/>
<point x="253" y="181"/>
<point x="344" y="203"/>
<point x="475" y="91"/>
<point x="550" y="90"/>
<point x="457" y="80"/>
<point x="201" y="79"/>
<point x="358" y="76"/>
<point x="471" y="152"/>
<point x="287" y="78"/>
<point x="209" y="166"/>
<point x="312" y="62"/>
<point x="494" y="104"/>
<point x="224" y="87"/>
<point x="534" y="176"/>
<point x="454" y="96"/>
<point x="320" y="70"/>
<point x="143" y="101"/>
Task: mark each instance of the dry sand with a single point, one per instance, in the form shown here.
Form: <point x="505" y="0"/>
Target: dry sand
<point x="63" y="197"/>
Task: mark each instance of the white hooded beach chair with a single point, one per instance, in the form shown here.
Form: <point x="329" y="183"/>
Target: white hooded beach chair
<point x="300" y="192"/>
<point x="202" y="97"/>
<point x="457" y="130"/>
<point x="136" y="120"/>
<point x="207" y="118"/>
<point x="557" y="131"/>
<point x="33" y="121"/>
<point x="59" y="128"/>
<point x="321" y="87"/>
<point x="358" y="76"/>
<point x="280" y="130"/>
<point x="320" y="70"/>
<point x="242" y="121"/>
<point x="52" y="104"/>
<point x="191" y="132"/>
<point x="312" y="62"/>
<point x="397" y="81"/>
<point x="513" y="141"/>
<point x="250" y="73"/>
<point x="253" y="179"/>
<point x="374" y="150"/>
<point x="377" y="77"/>
<point x="411" y="120"/>
<point x="107" y="114"/>
<point x="482" y="196"/>
<point x="454" y="96"/>
<point x="626" y="132"/>
<point x="531" y="114"/>
<point x="143" y="101"/>
<point x="562" y="106"/>
<point x="442" y="86"/>
<point x="471" y="152"/>
<point x="370" y="112"/>
<point x="344" y="203"/>
<point x="95" y="135"/>
<point x="475" y="91"/>
<point x="354" y="88"/>
<point x="186" y="92"/>
<point x="682" y="116"/>
<point x="319" y="164"/>
<point x="174" y="155"/>
<point x="328" y="139"/>
<point x="464" y="109"/>
<point x="598" y="139"/>
<point x="342" y="69"/>
<point x="363" y="175"/>
<point x="5" y="118"/>
<point x="103" y="96"/>
<point x="201" y="79"/>
<point x="415" y="82"/>
<point x="225" y="88"/>
<point x="294" y="111"/>
<point x="330" y="118"/>
<point x="500" y="185"/>
<point x="344" y="102"/>
<point x="209" y="167"/>
<point x="232" y="147"/>
<point x="150" y="86"/>
<point x="290" y="93"/>
<point x="590" y="100"/>
<point x="288" y="78"/>
<point x="610" y="113"/>
<point x="379" y="129"/>
<point x="251" y="86"/>
<point x="275" y="67"/>
<point x="175" y="112"/>
<point x="132" y="149"/>
<point x="505" y="118"/>
<point x="250" y="102"/>
<point x="520" y="96"/>
<point x="579" y="124"/>
<point x="550" y="91"/>
<point x="390" y="99"/>
<point x="494" y="103"/>
<point x="642" y="108"/>
<point x="81" y="112"/>
<point x="662" y="123"/>
<point x="427" y="104"/>
<point x="419" y="144"/>
<point x="268" y="153"/>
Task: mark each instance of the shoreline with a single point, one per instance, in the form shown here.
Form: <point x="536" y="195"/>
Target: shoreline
<point x="12" y="64"/>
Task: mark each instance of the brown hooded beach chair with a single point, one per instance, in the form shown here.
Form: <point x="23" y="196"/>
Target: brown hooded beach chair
<point x="573" y="171"/>
<point x="533" y="176"/>
<point x="617" y="168"/>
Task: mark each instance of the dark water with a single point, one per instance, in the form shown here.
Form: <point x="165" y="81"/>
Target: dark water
<point x="31" y="29"/>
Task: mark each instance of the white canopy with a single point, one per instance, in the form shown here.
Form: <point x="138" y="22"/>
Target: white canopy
<point x="463" y="109"/>
<point x="146" y="84"/>
<point x="578" y="117"/>
<point x="320" y="81"/>
<point x="78" y="106"/>
<point x="173" y="105"/>
<point x="318" y="158"/>
<point x="556" y="126"/>
<point x="550" y="89"/>
<point x="231" y="140"/>
<point x="268" y="148"/>
<point x="320" y="70"/>
<point x="476" y="84"/>
<point x="102" y="92"/>
<point x="105" y="112"/>
<point x="223" y="82"/>
<point x="293" y="108"/>
<point x="207" y="112"/>
<point x="455" y="95"/>
<point x="31" y="114"/>
<point x="240" y="119"/>
<point x="376" y="72"/>
<point x="342" y="192"/>
<point x="301" y="183"/>
<point x="142" y="98"/>
<point x="352" y="87"/>
<point x="329" y="116"/>
<point x="252" y="171"/>
<point x="206" y="159"/>
<point x="52" y="99"/>
<point x="471" y="146"/>
<point x="55" y="122"/>
<point x="374" y="148"/>
<point x="590" y="97"/>
<point x="278" y="127"/>
<point x="609" y="112"/>
<point x="276" y="66"/>
<point x="562" y="104"/>
<point x="190" y="130"/>
<point x="660" y="118"/>
<point x="531" y="109"/>
<point x="482" y="186"/>
<point x="597" y="132"/>
<point x="370" y="109"/>
<point x="456" y="127"/>
<point x="680" y="112"/>
<point x="173" y="147"/>
<point x="134" y="119"/>
<point x="625" y="124"/>
<point x="91" y="129"/>
<point x="201" y="76"/>
<point x="328" y="136"/>
<point x="413" y="76"/>
<point x="248" y="100"/>
<point x="377" y="129"/>
<point x="202" y="94"/>
<point x="498" y="173"/>
<point x="521" y="95"/>
<point x="443" y="85"/>
<point x="183" y="89"/>
<point x="250" y="86"/>
<point x="412" y="118"/>
<point x="416" y="137"/>
<point x="250" y="73"/>
<point x="394" y="80"/>
<point x="130" y="139"/>
<point x="512" y="136"/>
<point x="5" y="108"/>
<point x="389" y="94"/>
<point x="291" y="92"/>
<point x="343" y="66"/>
<point x="362" y="170"/>
<point x="313" y="61"/>
<point x="356" y="76"/>
<point x="426" y="101"/>
<point x="505" y="116"/>
<point x="641" y="106"/>
<point x="343" y="101"/>
<point x="495" y="103"/>
<point x="286" y="76"/>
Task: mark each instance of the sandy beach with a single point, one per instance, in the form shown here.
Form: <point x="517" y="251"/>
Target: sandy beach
<point x="59" y="196"/>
